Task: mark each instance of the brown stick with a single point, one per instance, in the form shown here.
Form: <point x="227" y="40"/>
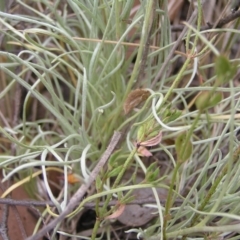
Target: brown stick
<point x="172" y="51"/>
<point x="29" y="203"/>
<point x="221" y="23"/>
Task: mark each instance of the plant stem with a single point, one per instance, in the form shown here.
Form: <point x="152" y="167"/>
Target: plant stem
<point x="179" y="76"/>
<point x="145" y="32"/>
<point x="173" y="181"/>
<point x="169" y="199"/>
<point x="116" y="182"/>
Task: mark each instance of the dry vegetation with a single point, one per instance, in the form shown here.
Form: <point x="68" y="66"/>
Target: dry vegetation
<point x="119" y="119"/>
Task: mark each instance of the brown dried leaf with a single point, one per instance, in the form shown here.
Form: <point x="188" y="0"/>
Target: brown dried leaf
<point x="73" y="178"/>
<point x="134" y="98"/>
<point x="117" y="213"/>
<point x="136" y="215"/>
<point x="153" y="141"/>
<point x="144" y="152"/>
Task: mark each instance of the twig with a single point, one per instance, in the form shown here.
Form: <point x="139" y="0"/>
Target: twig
<point x="228" y="19"/>
<point x="221" y="23"/>
<point x="74" y="201"/>
<point x="5" y="215"/>
<point x="3" y="228"/>
<point x="25" y="203"/>
<point x="166" y="62"/>
<point x="28" y="203"/>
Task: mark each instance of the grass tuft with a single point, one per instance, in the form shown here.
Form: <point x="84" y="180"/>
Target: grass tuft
<point x="74" y="72"/>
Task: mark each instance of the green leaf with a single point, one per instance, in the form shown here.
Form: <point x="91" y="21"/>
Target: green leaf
<point x="152" y="167"/>
<point x="148" y="131"/>
<point x="114" y="172"/>
<point x="225" y="70"/>
<point x="127" y="199"/>
<point x="208" y="99"/>
<point x="152" y="177"/>
<point x="171" y="115"/>
<point x="98" y="183"/>
<point x="183" y="147"/>
<point x="152" y="173"/>
<point x="114" y="159"/>
<point x="141" y="133"/>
